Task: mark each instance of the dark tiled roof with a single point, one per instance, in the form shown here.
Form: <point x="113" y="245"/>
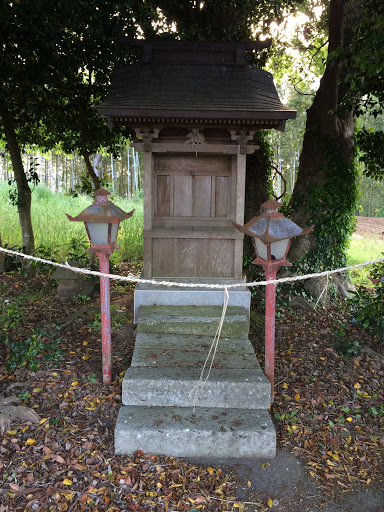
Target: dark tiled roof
<point x="207" y="91"/>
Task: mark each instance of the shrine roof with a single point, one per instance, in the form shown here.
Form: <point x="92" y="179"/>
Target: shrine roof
<point x="196" y="80"/>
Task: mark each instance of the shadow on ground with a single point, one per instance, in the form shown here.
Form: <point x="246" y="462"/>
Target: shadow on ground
<point x="285" y="481"/>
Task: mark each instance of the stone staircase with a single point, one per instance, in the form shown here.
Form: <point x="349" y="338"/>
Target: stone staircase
<point x="165" y="413"/>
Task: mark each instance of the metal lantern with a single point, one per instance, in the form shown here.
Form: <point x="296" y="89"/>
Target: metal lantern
<point x="272" y="234"/>
<point x="102" y="221"/>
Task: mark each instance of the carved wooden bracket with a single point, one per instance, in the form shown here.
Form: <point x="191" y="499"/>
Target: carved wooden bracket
<point x="147" y="135"/>
<point x="242" y="137"/>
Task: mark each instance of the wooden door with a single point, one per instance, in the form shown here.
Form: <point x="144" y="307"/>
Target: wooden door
<point x="192" y="190"/>
<point x="192" y="235"/>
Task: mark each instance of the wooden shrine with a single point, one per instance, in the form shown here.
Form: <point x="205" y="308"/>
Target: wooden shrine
<point x="193" y="109"/>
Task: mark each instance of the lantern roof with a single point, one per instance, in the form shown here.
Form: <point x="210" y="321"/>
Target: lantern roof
<point x="194" y="81"/>
<point x="102" y="210"/>
<point x="271" y="226"/>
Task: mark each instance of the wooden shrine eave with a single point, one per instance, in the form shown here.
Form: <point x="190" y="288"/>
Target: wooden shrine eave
<point x="257" y="120"/>
<point x="126" y="114"/>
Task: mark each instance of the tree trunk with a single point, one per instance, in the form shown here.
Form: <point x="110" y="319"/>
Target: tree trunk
<point x="95" y="179"/>
<point x="325" y="191"/>
<point x="23" y="190"/>
<point x="84" y="151"/>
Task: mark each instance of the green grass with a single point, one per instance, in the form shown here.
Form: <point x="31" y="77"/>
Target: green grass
<point x="55" y="234"/>
<point x="361" y="250"/>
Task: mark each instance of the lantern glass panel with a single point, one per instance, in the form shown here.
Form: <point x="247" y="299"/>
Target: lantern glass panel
<point x="279" y="249"/>
<point x="114" y="230"/>
<point x="261" y="249"/>
<point x="98" y="231"/>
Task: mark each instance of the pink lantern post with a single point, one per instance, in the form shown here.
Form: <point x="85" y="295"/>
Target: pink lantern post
<point x="272" y="234"/>
<point x="102" y="221"/>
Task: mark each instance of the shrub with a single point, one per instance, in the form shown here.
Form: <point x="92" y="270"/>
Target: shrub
<point x="28" y="353"/>
<point x="368" y="305"/>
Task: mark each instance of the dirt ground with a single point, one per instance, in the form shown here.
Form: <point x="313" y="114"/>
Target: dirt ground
<point x="370" y="227"/>
<point x="328" y="413"/>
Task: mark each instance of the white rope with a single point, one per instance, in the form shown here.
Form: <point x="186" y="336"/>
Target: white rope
<point x="215" y="343"/>
<point x="323" y="291"/>
<point x="214" y="346"/>
<point x="134" y="279"/>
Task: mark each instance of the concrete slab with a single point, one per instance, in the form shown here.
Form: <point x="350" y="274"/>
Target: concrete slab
<point x="150" y="295"/>
<point x="146" y="340"/>
<point x="211" y="432"/>
<point x="192" y="320"/>
<point x="237" y="389"/>
<point x="167" y="358"/>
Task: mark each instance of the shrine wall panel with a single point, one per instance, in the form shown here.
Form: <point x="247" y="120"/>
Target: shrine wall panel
<point x="183" y="257"/>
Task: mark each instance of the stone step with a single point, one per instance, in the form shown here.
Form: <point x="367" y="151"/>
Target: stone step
<point x="146" y="340"/>
<point x="226" y="388"/>
<point x="166" y="358"/>
<point x="210" y="432"/>
<point x="180" y="351"/>
<point x="151" y="294"/>
<point x="193" y="320"/>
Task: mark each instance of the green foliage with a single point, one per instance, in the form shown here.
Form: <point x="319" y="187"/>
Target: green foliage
<point x="86" y="187"/>
<point x="59" y="239"/>
<point x="330" y="208"/>
<point x="232" y="20"/>
<point x="28" y="353"/>
<point x="371" y="193"/>
<point x="76" y="249"/>
<point x="364" y="60"/>
<point x="370" y="143"/>
<point x="287" y="146"/>
<point x="289" y="417"/>
<point x="118" y="319"/>
<point x="298" y="55"/>
<point x="368" y="305"/>
<point x="11" y="315"/>
<point x="32" y="178"/>
<point x="348" y="348"/>
<point x="374" y="411"/>
<point x="81" y="299"/>
<point x="359" y="251"/>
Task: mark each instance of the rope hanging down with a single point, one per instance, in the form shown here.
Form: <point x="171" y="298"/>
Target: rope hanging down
<point x="134" y="279"/>
<point x="213" y="349"/>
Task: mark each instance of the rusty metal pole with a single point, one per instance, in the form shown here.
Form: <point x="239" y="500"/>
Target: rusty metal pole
<point x="105" y="300"/>
<point x="270" y="313"/>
